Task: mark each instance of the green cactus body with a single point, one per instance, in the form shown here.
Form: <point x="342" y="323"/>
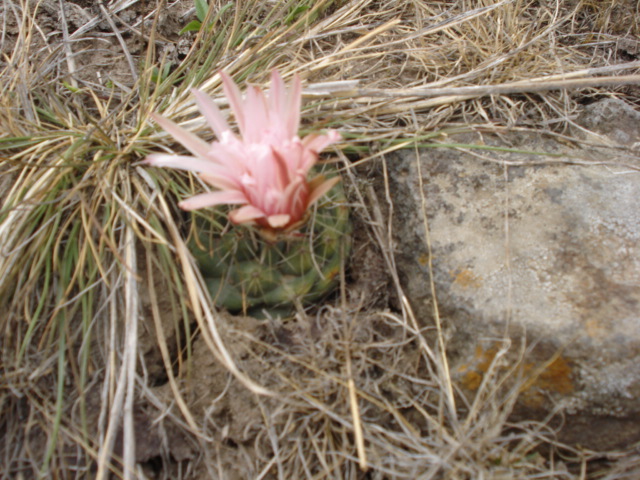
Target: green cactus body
<point x="248" y="273"/>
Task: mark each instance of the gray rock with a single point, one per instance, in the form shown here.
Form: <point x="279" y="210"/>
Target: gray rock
<point x="542" y="249"/>
<point x="613" y="119"/>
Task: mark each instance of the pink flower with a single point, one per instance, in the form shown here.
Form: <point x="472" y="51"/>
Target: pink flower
<point x="264" y="170"/>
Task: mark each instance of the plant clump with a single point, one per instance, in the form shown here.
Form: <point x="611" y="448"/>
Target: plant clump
<point x="291" y="257"/>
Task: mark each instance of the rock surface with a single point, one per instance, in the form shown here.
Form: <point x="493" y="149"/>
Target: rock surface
<point x="540" y="248"/>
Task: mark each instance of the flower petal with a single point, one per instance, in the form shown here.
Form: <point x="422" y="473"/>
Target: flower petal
<point x="281" y="172"/>
<point x="319" y="186"/>
<point x="182" y="162"/>
<point x="211" y="112"/>
<point x="317" y="143"/>
<point x="230" y="155"/>
<point x="279" y="220"/>
<point x="234" y="96"/>
<point x="277" y="99"/>
<point x="192" y="143"/>
<point x="246" y="214"/>
<point x="257" y="117"/>
<point x="214" y="174"/>
<point x="293" y="107"/>
<point x="223" y="182"/>
<point x="295" y="198"/>
<point x="211" y="199"/>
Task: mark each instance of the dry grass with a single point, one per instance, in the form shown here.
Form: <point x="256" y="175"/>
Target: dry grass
<point x="100" y="295"/>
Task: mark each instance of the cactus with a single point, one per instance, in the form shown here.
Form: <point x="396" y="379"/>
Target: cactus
<point x="290" y="249"/>
<point x="250" y="273"/>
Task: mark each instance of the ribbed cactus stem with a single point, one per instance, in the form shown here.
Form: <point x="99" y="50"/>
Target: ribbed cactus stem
<point x="249" y="272"/>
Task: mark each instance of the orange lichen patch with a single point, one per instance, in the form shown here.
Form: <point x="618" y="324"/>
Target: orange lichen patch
<point x="472" y="380"/>
<point x="423" y="259"/>
<point x="474" y="374"/>
<point x="466" y="279"/>
<point x="552" y="377"/>
<point x="555" y="377"/>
